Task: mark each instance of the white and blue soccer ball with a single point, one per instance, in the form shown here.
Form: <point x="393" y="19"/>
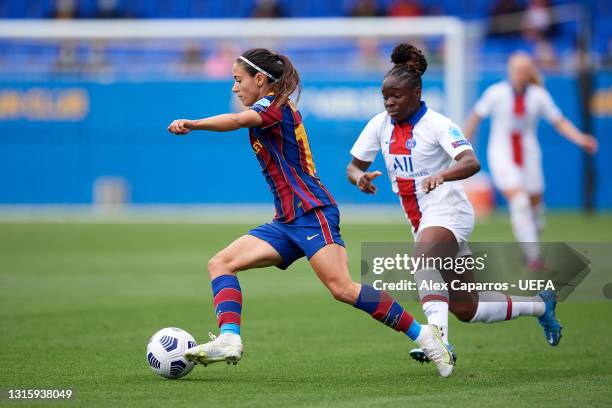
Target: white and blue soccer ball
<point x="165" y="352"/>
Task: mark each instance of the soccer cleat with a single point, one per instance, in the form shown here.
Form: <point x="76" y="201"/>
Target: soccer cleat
<point x="434" y="348"/>
<point x="417" y="354"/>
<point x="227" y="347"/>
<point x="548" y="321"/>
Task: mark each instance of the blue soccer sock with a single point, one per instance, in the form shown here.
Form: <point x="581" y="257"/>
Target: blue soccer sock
<point x="228" y="303"/>
<point x="381" y="306"/>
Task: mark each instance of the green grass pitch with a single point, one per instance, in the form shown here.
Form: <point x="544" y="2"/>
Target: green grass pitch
<point x="79" y="302"/>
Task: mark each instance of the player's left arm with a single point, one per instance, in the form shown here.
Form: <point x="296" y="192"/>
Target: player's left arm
<point x="467" y="165"/>
<point x="220" y="123"/>
<point x="567" y="129"/>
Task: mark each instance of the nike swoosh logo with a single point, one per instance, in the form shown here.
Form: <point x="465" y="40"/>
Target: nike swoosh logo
<point x="312" y="236"/>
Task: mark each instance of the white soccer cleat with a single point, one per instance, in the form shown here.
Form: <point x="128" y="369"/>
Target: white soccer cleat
<point x="227" y="347"/>
<point x="432" y="345"/>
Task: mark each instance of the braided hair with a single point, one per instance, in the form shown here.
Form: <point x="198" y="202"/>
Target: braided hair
<point x="409" y="64"/>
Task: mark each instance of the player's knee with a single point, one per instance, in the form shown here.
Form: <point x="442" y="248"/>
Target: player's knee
<point x="217" y="266"/>
<point x="464" y="310"/>
<point x="343" y="292"/>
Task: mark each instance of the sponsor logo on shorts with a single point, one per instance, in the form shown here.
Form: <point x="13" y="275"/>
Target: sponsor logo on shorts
<point x="311" y="236"/>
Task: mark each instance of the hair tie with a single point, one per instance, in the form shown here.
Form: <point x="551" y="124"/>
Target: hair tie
<point x="259" y="69"/>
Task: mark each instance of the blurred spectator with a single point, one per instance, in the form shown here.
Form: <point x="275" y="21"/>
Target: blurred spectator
<point x="544" y="55"/>
<point x="65" y="9"/>
<point x="67" y="59"/>
<point x="369" y="58"/>
<point x="503" y="7"/>
<point x="108" y="9"/>
<point x="366" y="8"/>
<point x="501" y="21"/>
<point x="267" y="9"/>
<point x="97" y="59"/>
<point x="405" y="8"/>
<point x="192" y="61"/>
<point x="538" y="22"/>
<point x="219" y="64"/>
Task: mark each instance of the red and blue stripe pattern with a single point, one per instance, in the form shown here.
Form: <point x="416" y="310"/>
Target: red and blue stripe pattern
<point x="400" y="144"/>
<point x="408" y="195"/>
<point x="283" y="150"/>
<point x="381" y="306"/>
<point x="517" y="137"/>
<point x="227" y="298"/>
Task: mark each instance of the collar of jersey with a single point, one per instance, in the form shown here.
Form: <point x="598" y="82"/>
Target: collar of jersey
<point x="416" y="117"/>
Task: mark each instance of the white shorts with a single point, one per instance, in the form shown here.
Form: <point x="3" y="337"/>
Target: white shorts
<point x="458" y="219"/>
<point x="507" y="175"/>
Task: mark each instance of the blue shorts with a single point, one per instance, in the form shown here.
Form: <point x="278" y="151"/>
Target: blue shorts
<point x="304" y="235"/>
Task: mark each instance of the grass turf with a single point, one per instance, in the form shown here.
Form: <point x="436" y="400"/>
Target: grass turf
<point x="79" y="302"/>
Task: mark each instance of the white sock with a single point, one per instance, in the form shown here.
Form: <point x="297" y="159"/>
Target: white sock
<point x="497" y="307"/>
<point x="524" y="226"/>
<point x="434" y="301"/>
<point x="528" y="306"/>
<point x="444" y="334"/>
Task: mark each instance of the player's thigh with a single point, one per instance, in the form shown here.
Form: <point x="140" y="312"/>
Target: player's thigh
<point x="330" y="264"/>
<point x="436" y="241"/>
<point x="246" y="252"/>
<point x="505" y="174"/>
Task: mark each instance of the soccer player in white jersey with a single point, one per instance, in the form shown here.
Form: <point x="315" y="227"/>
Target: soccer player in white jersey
<point x="513" y="151"/>
<point x="426" y="155"/>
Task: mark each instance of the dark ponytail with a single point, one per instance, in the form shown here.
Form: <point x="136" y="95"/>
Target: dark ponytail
<point x="286" y="78"/>
<point x="410" y="64"/>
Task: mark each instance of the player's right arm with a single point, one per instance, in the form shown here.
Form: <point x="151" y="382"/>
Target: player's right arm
<point x="482" y="109"/>
<point x="358" y="175"/>
<point x="364" y="152"/>
<point x="220" y="123"/>
<point x="471" y="125"/>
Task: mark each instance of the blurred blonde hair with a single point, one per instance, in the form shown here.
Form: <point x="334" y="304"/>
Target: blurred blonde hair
<point x="521" y="57"/>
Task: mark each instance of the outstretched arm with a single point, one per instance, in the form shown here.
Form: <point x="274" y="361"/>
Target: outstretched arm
<point x="566" y="128"/>
<point x="471" y="126"/>
<point x="467" y="165"/>
<point x="358" y="175"/>
<point x="219" y="123"/>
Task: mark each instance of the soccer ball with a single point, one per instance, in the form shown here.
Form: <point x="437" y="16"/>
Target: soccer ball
<point x="165" y="352"/>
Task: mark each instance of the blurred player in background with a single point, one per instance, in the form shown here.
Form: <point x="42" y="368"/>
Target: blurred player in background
<point x="307" y="221"/>
<point x="513" y="151"/>
<point x="426" y="155"/>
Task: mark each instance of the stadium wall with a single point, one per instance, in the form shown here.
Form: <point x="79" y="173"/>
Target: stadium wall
<point x="58" y="137"/>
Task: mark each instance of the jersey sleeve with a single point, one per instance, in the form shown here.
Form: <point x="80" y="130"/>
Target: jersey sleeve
<point x="484" y="105"/>
<point x="368" y="143"/>
<point x="270" y="113"/>
<point x="549" y="109"/>
<point x="452" y="139"/>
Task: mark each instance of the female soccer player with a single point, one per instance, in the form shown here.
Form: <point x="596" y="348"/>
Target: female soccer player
<point x="419" y="147"/>
<point x="513" y="152"/>
<point x="307" y="219"/>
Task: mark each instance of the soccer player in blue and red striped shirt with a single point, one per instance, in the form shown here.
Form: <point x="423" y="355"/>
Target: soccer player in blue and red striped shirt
<point x="307" y="220"/>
